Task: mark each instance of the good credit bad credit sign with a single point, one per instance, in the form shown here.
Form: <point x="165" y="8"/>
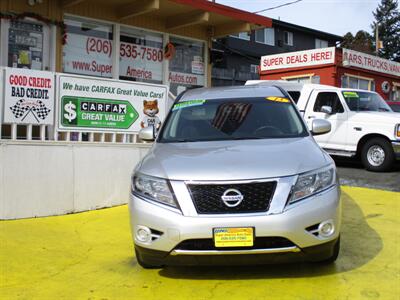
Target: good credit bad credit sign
<point x="108" y="105"/>
<point x="29" y="97"/>
<point x="298" y="59"/>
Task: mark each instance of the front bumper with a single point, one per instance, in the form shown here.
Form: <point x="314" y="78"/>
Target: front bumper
<point x="172" y="228"/>
<point x="309" y="254"/>
<point x="396" y="149"/>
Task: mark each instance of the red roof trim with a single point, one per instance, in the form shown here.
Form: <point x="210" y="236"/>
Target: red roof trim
<point x="227" y="11"/>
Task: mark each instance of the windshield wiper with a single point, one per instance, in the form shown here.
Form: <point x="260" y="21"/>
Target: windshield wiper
<point x="246" y="138"/>
<point x="178" y="141"/>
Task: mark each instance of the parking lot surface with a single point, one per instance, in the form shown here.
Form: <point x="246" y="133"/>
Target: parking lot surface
<point x="90" y="256"/>
<point x="352" y="172"/>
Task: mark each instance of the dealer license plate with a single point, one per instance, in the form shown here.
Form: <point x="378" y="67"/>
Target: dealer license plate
<point x="233" y="237"/>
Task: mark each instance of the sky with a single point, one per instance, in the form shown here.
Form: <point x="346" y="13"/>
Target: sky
<point x="332" y="16"/>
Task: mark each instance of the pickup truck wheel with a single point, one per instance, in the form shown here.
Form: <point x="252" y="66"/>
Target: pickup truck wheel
<point x="377" y="155"/>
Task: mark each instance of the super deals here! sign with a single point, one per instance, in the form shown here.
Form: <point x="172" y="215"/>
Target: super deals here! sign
<point x="298" y="59"/>
<point x="109" y="105"/>
<point x="29" y="97"/>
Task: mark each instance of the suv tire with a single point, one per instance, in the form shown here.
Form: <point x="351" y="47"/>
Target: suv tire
<point x="377" y="155"/>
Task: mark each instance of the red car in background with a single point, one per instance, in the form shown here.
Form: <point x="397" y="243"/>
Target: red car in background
<point x="395" y="106"/>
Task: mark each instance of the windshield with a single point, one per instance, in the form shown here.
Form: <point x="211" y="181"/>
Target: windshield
<point x="365" y="101"/>
<point x="395" y="107"/>
<point x="232" y="119"/>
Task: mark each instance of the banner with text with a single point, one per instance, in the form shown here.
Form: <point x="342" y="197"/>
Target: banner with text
<point x="141" y="57"/>
<point x="370" y="62"/>
<point x="29" y="97"/>
<point x="186" y="79"/>
<point x="87" y="55"/>
<point x="298" y="59"/>
<point x="109" y="105"/>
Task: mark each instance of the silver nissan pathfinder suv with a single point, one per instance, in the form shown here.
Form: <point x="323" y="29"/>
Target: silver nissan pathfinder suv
<point x="235" y="177"/>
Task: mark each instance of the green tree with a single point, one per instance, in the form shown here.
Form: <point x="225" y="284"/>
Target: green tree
<point x="387" y="16"/>
<point x="362" y="42"/>
<point x="347" y="41"/>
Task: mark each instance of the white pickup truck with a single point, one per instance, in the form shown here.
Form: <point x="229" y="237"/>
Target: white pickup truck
<point x="363" y="125"/>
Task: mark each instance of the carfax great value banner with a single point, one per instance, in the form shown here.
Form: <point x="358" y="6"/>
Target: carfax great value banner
<point x="109" y="105"/>
<point x="29" y="97"/>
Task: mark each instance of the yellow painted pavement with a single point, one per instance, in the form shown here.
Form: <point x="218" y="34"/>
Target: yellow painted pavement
<point x="90" y="256"/>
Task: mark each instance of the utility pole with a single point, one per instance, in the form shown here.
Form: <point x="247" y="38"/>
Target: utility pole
<point x="378" y="43"/>
<point x="377" y="39"/>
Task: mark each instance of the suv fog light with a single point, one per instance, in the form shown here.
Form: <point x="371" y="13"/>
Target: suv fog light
<point x="143" y="234"/>
<point x="326" y="228"/>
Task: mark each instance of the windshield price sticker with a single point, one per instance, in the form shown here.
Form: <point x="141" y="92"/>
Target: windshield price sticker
<point x="188" y="104"/>
<point x="350" y="94"/>
<point x="278" y="99"/>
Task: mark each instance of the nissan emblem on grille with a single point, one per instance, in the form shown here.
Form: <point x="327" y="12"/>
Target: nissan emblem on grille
<point x="232" y="197"/>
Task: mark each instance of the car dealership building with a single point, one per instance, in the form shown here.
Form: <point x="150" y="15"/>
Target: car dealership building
<point x="159" y="41"/>
<point x="336" y="67"/>
<point x="71" y="105"/>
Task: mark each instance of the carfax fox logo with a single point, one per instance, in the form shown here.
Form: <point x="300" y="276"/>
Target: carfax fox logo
<point x="150" y="109"/>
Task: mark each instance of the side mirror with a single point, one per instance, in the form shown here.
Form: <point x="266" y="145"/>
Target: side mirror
<point x="320" y="126"/>
<point x="326" y="109"/>
<point x="147" y="134"/>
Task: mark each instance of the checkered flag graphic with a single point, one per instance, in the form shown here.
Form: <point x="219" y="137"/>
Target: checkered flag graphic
<point x="18" y="110"/>
<point x="41" y="110"/>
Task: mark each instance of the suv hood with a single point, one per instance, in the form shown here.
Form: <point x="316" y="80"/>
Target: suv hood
<point x="376" y="117"/>
<point x="233" y="160"/>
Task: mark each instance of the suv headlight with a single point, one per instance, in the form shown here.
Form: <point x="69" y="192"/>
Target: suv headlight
<point x="153" y="188"/>
<point x="313" y="182"/>
<point x="397" y="131"/>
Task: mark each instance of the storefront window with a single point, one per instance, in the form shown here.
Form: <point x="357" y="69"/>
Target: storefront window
<point x="363" y="84"/>
<point x="395" y="94"/>
<point x="288" y="38"/>
<point x="242" y="35"/>
<point x="354" y="82"/>
<point x="88" y="49"/>
<point x="140" y="56"/>
<point x="186" y="67"/>
<point x="320" y="44"/>
<point x="265" y="36"/>
<point x="26" y="45"/>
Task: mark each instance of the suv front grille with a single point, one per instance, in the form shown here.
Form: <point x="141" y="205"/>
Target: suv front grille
<point x="207" y="198"/>
<point x="259" y="243"/>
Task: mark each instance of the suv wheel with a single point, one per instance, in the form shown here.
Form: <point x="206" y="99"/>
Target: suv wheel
<point x="144" y="264"/>
<point x="377" y="155"/>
